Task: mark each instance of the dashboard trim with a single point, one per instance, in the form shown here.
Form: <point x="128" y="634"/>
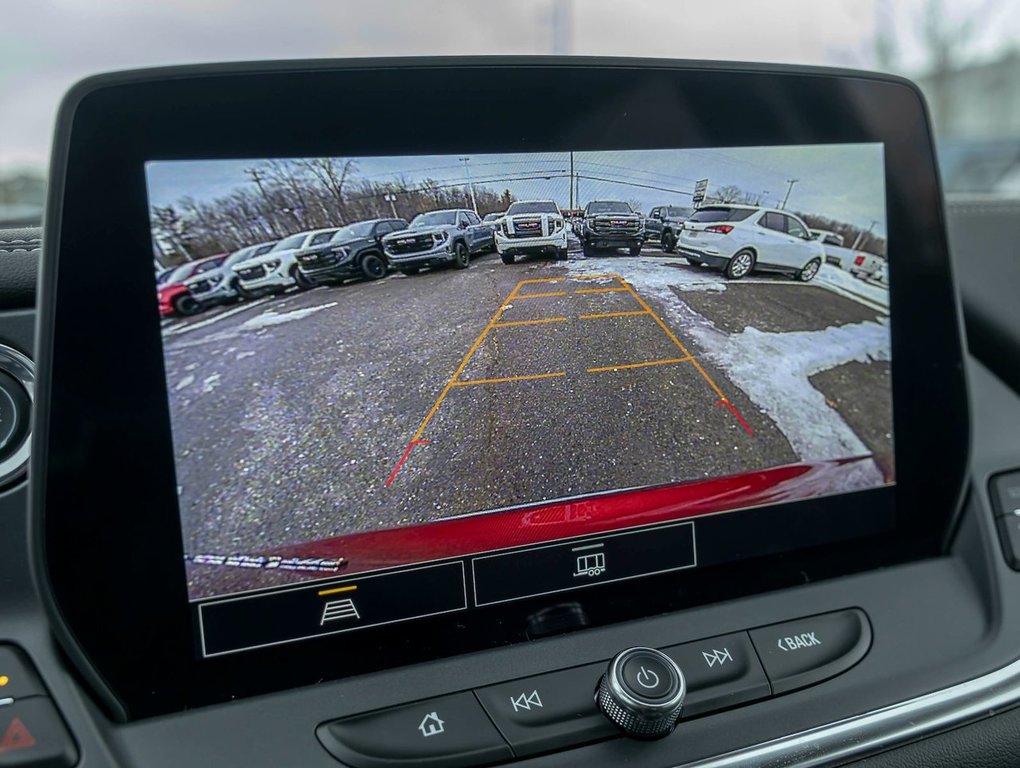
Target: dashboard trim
<point x="881" y="729"/>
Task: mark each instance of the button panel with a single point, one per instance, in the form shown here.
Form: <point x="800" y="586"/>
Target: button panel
<point x="557" y="710"/>
<point x="31" y="731"/>
<point x="1004" y="490"/>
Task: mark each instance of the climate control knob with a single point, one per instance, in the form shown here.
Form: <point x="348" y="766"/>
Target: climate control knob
<point x="642" y="692"/>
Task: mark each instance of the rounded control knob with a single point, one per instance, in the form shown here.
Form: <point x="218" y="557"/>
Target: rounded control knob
<point x="642" y="692"/>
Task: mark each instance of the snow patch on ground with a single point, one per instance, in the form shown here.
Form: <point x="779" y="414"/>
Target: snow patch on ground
<point x="187" y="381"/>
<point x="210" y="383"/>
<point x="649" y="275"/>
<point x="834" y="278"/>
<point x="242" y="355"/>
<point x="270" y="318"/>
<point x="773" y="369"/>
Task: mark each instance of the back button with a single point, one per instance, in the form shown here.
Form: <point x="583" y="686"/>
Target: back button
<point x="807" y="651"/>
<point x="450" y="731"/>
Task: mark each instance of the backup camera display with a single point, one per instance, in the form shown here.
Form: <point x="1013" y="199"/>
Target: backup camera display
<point x="441" y="361"/>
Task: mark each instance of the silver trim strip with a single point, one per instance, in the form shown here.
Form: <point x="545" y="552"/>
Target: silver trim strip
<point x="863" y="735"/>
<point x="17" y="365"/>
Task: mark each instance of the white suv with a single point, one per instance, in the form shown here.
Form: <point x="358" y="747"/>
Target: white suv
<point x="742" y="238"/>
<point x="531" y="226"/>
<point x="277" y="269"/>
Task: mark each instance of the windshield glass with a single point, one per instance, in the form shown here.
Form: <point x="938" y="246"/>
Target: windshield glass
<point x="964" y="56"/>
<point x="354" y="231"/>
<point x="544" y="206"/>
<point x="290" y="243"/>
<point x="609" y="207"/>
<point x="434" y="219"/>
<point x="205" y="266"/>
<point x="707" y="215"/>
<point x="181" y="273"/>
<point x="237" y="256"/>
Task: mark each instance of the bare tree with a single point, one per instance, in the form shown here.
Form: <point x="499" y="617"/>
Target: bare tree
<point x="947" y="38"/>
<point x="333" y="174"/>
<point x="730" y="193"/>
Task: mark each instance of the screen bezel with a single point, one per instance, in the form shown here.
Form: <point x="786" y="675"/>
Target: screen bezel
<point x="108" y="535"/>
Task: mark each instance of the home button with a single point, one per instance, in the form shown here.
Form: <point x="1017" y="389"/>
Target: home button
<point x="446" y="731"/>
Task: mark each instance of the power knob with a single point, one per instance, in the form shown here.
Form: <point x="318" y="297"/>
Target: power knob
<point x="642" y="692"/>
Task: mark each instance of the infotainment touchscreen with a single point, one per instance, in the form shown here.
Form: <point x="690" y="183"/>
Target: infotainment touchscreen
<point x="406" y="386"/>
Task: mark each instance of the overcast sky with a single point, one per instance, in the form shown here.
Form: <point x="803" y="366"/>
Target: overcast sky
<point x="844" y="182"/>
<point x="50" y="44"/>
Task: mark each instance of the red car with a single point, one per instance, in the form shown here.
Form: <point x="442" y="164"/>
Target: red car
<point x="174" y="298"/>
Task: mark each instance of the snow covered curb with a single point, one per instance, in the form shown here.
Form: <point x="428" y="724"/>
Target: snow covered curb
<point x="870" y="295"/>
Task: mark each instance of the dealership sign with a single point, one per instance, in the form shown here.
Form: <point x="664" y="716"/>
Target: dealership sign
<point x="700" y="188"/>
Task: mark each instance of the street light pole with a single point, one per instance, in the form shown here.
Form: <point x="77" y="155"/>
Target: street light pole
<point x="471" y="186"/>
<point x="789" y="189"/>
<point x="570" y="182"/>
<point x="861" y="236"/>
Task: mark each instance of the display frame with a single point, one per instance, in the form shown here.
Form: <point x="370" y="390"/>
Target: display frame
<point x="114" y="578"/>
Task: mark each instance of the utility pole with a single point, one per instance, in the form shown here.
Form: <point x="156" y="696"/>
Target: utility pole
<point x="391" y="198"/>
<point x="570" y="182"/>
<point x="862" y="235"/>
<point x="467" y="175"/>
<point x="257" y="175"/>
<point x="789" y="189"/>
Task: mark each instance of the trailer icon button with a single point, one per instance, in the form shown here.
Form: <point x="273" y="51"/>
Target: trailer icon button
<point x="591" y="560"/>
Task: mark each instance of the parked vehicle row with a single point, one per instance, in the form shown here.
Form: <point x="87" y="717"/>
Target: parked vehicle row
<point x="736" y="239"/>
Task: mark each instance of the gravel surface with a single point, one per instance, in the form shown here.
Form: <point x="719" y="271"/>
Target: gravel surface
<point x="291" y="413"/>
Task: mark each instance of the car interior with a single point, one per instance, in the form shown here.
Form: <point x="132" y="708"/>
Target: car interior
<point x="588" y="440"/>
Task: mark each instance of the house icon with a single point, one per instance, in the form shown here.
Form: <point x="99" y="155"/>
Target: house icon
<point x="431" y="725"/>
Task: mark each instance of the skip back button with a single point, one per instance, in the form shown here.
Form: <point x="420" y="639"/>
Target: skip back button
<point x="806" y="651"/>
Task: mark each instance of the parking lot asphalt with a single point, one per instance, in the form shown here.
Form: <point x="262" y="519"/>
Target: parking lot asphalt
<point x="378" y="404"/>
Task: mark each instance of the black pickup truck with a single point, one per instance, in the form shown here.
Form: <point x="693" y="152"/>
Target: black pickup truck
<point x="611" y="224"/>
<point x="354" y="251"/>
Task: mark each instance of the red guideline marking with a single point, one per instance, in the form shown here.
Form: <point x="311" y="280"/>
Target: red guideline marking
<point x="407" y="452"/>
<point x="740" y="418"/>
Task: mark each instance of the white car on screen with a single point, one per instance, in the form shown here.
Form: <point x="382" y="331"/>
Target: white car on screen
<point x="277" y="269"/>
<point x="531" y="227"/>
<point x="740" y="239"/>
